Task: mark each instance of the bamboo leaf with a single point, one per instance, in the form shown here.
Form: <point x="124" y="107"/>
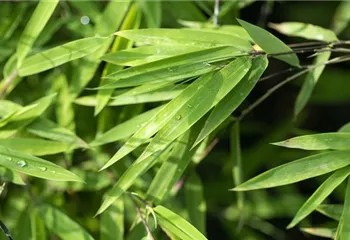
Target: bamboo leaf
<point x="176" y="225"/>
<point x="61" y="225"/>
<point x="341" y="18"/>
<point x="152" y="13"/>
<point x="321" y="232"/>
<point x="59" y="55"/>
<point x="320" y="195"/>
<point x="35" y="25"/>
<point x="34" y="166"/>
<point x="112" y="222"/>
<point x="269" y="43"/>
<point x="234" y="98"/>
<point x="185" y="37"/>
<point x="322" y="141"/>
<point x="345" y="218"/>
<point x="333" y="211"/>
<point x="298" y="170"/>
<point x="307" y="31"/>
<point x="7" y="175"/>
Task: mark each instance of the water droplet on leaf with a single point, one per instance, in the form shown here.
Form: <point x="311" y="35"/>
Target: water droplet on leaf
<point x="21" y="163"/>
<point x="43" y="169"/>
<point x="178" y="117"/>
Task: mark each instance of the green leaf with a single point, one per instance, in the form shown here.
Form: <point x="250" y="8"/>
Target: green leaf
<point x="195" y="202"/>
<point x="34" y="166"/>
<point x="345" y="229"/>
<point x="333" y="211"/>
<point x="171" y="69"/>
<point x="320" y="232"/>
<point x="304" y="30"/>
<point x="184" y="37"/>
<point x="34" y="146"/>
<point x="152" y="11"/>
<point x="125" y="129"/>
<point x="270" y="44"/>
<point x="54" y="57"/>
<point x="345" y="128"/>
<point x="234" y="98"/>
<point x="341" y="17"/>
<point x="322" y="141"/>
<point x="35" y="25"/>
<point x="310" y="81"/>
<point x="186" y="109"/>
<point x="7" y="175"/>
<point x="112" y="222"/>
<point x="298" y="170"/>
<point x="61" y="225"/>
<point x="176" y="225"/>
<point x="320" y="195"/>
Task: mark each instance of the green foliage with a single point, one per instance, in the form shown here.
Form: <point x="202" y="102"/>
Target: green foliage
<point x="139" y="112"/>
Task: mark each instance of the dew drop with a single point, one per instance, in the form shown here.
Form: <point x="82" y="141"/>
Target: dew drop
<point x="43" y="169"/>
<point x="85" y="20"/>
<point x="53" y="171"/>
<point x="21" y="163"/>
<point x="170" y="70"/>
<point x="178" y="117"/>
<point x="9" y="158"/>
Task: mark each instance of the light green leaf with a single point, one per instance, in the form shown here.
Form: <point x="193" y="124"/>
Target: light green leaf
<point x="184" y="37"/>
<point x="310" y="81"/>
<point x="341" y="18"/>
<point x="125" y="129"/>
<point x="34" y="146"/>
<point x="171" y="69"/>
<point x="345" y="229"/>
<point x="195" y="202"/>
<point x="320" y="232"/>
<point x="54" y="57"/>
<point x="234" y="98"/>
<point x="322" y="141"/>
<point x="333" y="211"/>
<point x="320" y="195"/>
<point x="61" y="225"/>
<point x="270" y="44"/>
<point x="7" y="175"/>
<point x="187" y="108"/>
<point x="34" y="166"/>
<point x="345" y="128"/>
<point x="176" y="225"/>
<point x="304" y="30"/>
<point x="152" y="11"/>
<point x="35" y="25"/>
<point x="298" y="170"/>
<point x="112" y="222"/>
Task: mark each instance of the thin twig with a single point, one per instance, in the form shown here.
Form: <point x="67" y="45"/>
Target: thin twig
<point x="7" y="84"/>
<point x="216" y="12"/>
<point x="148" y="230"/>
<point x="5" y="230"/>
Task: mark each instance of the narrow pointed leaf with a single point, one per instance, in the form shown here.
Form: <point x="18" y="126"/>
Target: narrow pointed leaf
<point x="34" y="166"/>
<point x="35" y="25"/>
<point x="333" y="211"/>
<point x="322" y="141"/>
<point x="152" y="11"/>
<point x="269" y="43"/>
<point x="298" y="170"/>
<point x="61" y="225"/>
<point x="7" y="175"/>
<point x="304" y="30"/>
<point x="345" y="230"/>
<point x="176" y="225"/>
<point x="59" y="55"/>
<point x="320" y="232"/>
<point x="342" y="17"/>
<point x="112" y="222"/>
<point x="185" y="37"/>
<point x="234" y="98"/>
<point x="320" y="195"/>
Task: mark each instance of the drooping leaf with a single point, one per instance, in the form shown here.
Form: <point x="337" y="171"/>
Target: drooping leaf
<point x="304" y="30"/>
<point x="176" y="225"/>
<point x="234" y="98"/>
<point x="270" y="44"/>
<point x="186" y="37"/>
<point x="35" y="25"/>
<point x="54" y="57"/>
<point x="333" y="211"/>
<point x="185" y="109"/>
<point x="298" y="170"/>
<point x="320" y="195"/>
<point x="61" y="225"/>
<point x="34" y="166"/>
<point x="112" y="222"/>
<point x="322" y="141"/>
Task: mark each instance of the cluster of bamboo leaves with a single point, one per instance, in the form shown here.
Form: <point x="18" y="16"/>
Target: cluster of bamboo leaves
<point x="192" y="79"/>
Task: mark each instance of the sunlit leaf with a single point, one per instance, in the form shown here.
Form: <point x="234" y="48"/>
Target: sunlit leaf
<point x="320" y="195"/>
<point x="59" y="55"/>
<point x="61" y="225"/>
<point x="322" y="141"/>
<point x="321" y="232"/>
<point x="270" y="44"/>
<point x="34" y="166"/>
<point x="173" y="223"/>
<point x="307" y="31"/>
<point x="298" y="170"/>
